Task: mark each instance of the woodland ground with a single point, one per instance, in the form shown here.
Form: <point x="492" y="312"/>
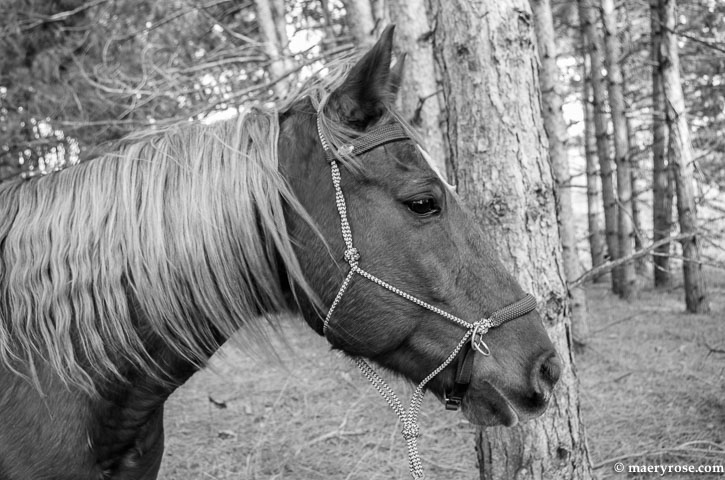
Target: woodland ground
<point x="652" y="390"/>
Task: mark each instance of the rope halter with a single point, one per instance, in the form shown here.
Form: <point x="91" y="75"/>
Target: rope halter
<point x="473" y="338"/>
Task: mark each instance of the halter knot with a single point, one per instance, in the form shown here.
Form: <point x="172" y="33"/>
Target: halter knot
<point x="345" y="149"/>
<point x="411" y="431"/>
<point x="352" y="256"/>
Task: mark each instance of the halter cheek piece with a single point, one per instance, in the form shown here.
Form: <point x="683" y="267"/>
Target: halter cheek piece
<point x="471" y="342"/>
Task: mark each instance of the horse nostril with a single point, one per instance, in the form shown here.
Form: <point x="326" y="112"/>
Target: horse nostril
<point x="551" y="369"/>
<point x="546" y="373"/>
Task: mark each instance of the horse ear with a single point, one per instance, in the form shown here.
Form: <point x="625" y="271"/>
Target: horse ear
<point x="361" y="99"/>
<point x="396" y="75"/>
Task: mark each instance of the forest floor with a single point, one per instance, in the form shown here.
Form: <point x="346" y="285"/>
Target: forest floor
<point x="652" y="392"/>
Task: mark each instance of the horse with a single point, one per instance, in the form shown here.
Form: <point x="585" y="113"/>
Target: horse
<point x="122" y="275"/>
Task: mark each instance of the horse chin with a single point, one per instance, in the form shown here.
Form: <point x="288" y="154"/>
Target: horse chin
<point x="488" y="407"/>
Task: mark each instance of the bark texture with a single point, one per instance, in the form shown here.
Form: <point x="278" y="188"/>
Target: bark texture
<point x="360" y="21"/>
<point x="381" y="16"/>
<point x="640" y="265"/>
<point x="487" y="60"/>
<point x="587" y="18"/>
<point x="625" y="228"/>
<point x="661" y="184"/>
<point x="555" y="126"/>
<point x="682" y="162"/>
<point x="594" y="202"/>
<point x="419" y="96"/>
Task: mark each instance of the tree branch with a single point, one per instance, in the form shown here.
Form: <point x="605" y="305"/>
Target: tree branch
<point x="606" y="267"/>
<point x="60" y="16"/>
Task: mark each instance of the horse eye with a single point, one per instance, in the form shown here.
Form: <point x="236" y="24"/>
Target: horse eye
<point x="424" y="206"/>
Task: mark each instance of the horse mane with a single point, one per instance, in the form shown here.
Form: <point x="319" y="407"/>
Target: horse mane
<point x="184" y="226"/>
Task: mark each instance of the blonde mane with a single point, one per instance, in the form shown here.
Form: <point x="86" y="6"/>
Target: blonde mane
<point x="188" y="222"/>
<point x="183" y="227"/>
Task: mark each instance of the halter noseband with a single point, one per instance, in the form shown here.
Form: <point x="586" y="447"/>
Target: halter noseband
<point x="471" y="342"/>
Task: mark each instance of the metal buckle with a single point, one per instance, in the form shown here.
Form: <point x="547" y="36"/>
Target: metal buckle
<point x="453" y="403"/>
<point x="479" y="330"/>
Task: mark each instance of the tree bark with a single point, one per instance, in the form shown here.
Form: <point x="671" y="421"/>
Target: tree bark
<point x="486" y="57"/>
<point x="555" y="126"/>
<point x="330" y="37"/>
<point x="682" y="161"/>
<point x="419" y="97"/>
<point x="273" y="46"/>
<point x="640" y="265"/>
<point x="594" y="202"/>
<point x="587" y="18"/>
<point x="625" y="230"/>
<point x="359" y="15"/>
<point x="381" y="16"/>
<point x="661" y="184"/>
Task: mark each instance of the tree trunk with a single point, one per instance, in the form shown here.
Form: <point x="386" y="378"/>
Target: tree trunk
<point x="419" y="96"/>
<point x="587" y="18"/>
<point x="272" y="45"/>
<point x="487" y="61"/>
<point x="594" y="202"/>
<point x="555" y="126"/>
<point x="640" y="264"/>
<point x="330" y="37"/>
<point x="661" y="184"/>
<point x="279" y="15"/>
<point x="625" y="230"/>
<point x="681" y="160"/>
<point x="381" y="16"/>
<point x="359" y="15"/>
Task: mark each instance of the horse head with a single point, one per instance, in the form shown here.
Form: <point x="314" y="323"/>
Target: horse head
<point x="410" y="229"/>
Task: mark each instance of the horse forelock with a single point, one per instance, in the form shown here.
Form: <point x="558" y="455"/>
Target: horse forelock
<point x="189" y="222"/>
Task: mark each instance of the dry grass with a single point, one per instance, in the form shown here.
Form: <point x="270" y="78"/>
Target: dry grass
<point x="652" y="392"/>
<point x="312" y="417"/>
<point x="652" y="388"/>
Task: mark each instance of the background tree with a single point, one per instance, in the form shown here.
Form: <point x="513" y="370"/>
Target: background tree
<point x="625" y="229"/>
<point x="419" y="96"/>
<point x="588" y="19"/>
<point x="487" y="59"/>
<point x="661" y="176"/>
<point x="271" y="20"/>
<point x="360" y="21"/>
<point x="555" y="127"/>
<point x="589" y="147"/>
<point x="681" y="160"/>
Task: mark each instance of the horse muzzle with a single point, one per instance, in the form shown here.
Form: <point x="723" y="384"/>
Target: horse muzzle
<point x="489" y="402"/>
